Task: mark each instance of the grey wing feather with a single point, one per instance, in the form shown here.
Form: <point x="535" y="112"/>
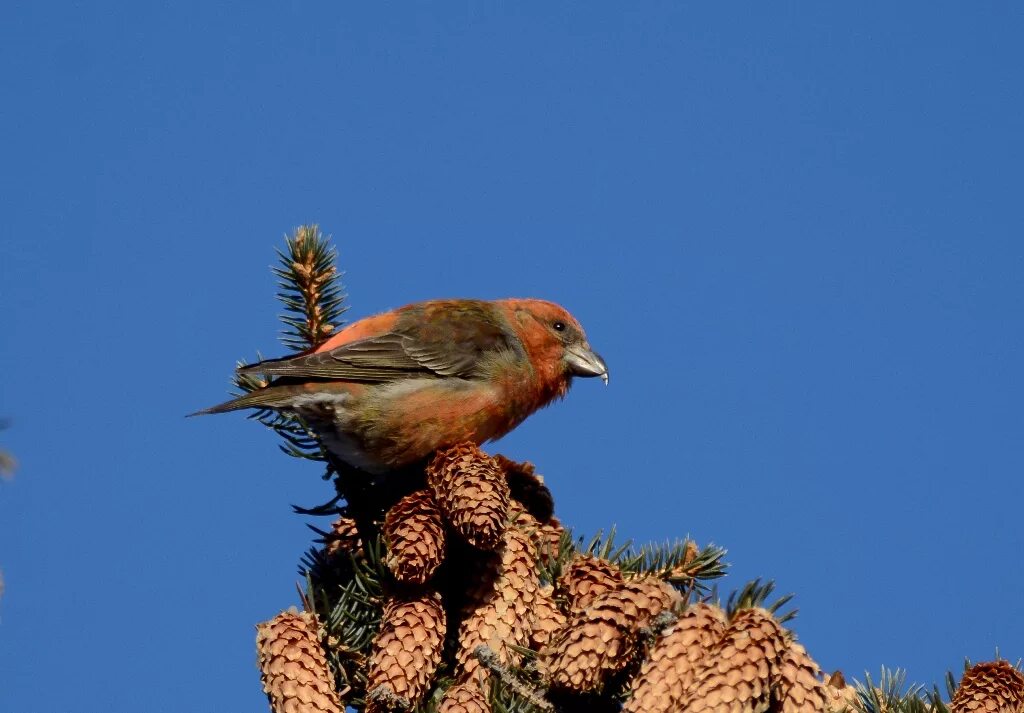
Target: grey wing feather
<point x="451" y="347"/>
<point x="445" y="364"/>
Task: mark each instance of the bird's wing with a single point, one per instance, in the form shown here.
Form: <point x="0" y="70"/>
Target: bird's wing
<point x="444" y="342"/>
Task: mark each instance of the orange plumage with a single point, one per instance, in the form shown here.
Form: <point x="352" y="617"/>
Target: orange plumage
<point x="389" y="390"/>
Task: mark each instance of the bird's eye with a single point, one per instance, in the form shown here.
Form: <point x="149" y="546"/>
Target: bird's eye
<point x="559" y="326"/>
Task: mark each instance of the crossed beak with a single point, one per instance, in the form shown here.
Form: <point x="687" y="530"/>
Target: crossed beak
<point x="584" y="361"/>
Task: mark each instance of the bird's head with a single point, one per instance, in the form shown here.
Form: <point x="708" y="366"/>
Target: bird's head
<point x="555" y="338"/>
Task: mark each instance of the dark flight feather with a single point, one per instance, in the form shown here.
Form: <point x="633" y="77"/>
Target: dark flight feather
<point x="272" y="397"/>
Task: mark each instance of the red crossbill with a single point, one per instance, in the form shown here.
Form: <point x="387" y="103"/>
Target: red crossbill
<point x="389" y="390"/>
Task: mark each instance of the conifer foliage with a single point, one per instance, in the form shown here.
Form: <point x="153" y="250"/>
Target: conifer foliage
<point x="453" y="588"/>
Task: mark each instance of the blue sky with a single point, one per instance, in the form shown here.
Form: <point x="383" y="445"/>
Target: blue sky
<point x="793" y="230"/>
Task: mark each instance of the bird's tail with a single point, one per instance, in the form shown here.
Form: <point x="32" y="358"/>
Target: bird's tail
<point x="270" y="397"/>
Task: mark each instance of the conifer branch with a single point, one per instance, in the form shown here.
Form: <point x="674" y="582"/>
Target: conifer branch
<point x="892" y="695"/>
<point x="680" y="563"/>
<point x="756" y="594"/>
<point x="310" y="288"/>
<point x="534" y="696"/>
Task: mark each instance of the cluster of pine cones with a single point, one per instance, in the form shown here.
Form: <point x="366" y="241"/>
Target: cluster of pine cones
<point x="485" y="605"/>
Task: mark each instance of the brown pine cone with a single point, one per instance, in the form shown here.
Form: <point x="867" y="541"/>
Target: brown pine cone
<point x="464" y="698"/>
<point x="994" y="686"/>
<point x="527" y="488"/>
<point x="343" y="537"/>
<point x="675" y="659"/>
<point x="414" y="534"/>
<point x="539" y="534"/>
<point x="295" y="674"/>
<point x="472" y="493"/>
<point x="550" y="538"/>
<point x="547" y="537"/>
<point x="601" y="640"/>
<point x="548" y="618"/>
<point x="738" y="672"/>
<point x="500" y="613"/>
<point x="406" y="651"/>
<point x="586" y="578"/>
<point x="799" y="686"/>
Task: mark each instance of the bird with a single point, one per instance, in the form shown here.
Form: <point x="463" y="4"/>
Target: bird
<point x="389" y="390"/>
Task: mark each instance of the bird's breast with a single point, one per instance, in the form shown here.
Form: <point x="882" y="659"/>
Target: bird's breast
<point x="392" y="425"/>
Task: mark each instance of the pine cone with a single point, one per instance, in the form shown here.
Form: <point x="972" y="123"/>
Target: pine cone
<point x="550" y="538"/>
<point x="548" y="618"/>
<point x="601" y="640"/>
<point x="839" y="696"/>
<point x="464" y="698"/>
<point x="472" y="493"/>
<point x="675" y="659"/>
<point x="994" y="686"/>
<point x="294" y="670"/>
<point x="406" y="651"/>
<point x="587" y="578"/>
<point x="343" y="537"/>
<point x="799" y="683"/>
<point x="528" y="488"/>
<point x="546" y="537"/>
<point x="414" y="534"/>
<point x="738" y="672"/>
<point x="500" y="612"/>
<point x="528" y="525"/>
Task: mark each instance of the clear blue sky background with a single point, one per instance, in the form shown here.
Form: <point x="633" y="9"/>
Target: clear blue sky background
<point x="793" y="229"/>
